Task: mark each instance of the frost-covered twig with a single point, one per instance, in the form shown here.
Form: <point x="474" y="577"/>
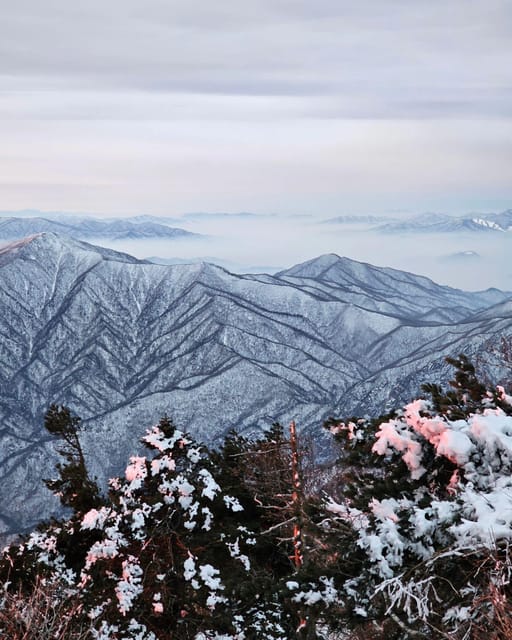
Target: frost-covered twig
<point x="412" y="597"/>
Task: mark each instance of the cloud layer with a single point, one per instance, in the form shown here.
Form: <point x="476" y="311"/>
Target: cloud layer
<point x="324" y="107"/>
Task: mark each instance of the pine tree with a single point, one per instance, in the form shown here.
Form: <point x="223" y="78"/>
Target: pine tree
<point x="74" y="486"/>
<point x="262" y="470"/>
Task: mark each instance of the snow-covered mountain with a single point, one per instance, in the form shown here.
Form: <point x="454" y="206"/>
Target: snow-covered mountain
<point x="441" y="223"/>
<point x="90" y="228"/>
<point x="500" y="221"/>
<point x="123" y="341"/>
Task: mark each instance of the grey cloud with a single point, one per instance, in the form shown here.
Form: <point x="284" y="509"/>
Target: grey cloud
<point x="268" y="105"/>
<point x="373" y="52"/>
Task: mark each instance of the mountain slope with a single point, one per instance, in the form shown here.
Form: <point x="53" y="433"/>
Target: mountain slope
<point x="387" y="290"/>
<point x="123" y="341"/>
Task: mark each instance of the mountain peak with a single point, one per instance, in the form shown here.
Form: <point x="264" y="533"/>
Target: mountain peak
<point x="398" y="292"/>
<point x="340" y="270"/>
<point x="313" y="268"/>
<point x="40" y="244"/>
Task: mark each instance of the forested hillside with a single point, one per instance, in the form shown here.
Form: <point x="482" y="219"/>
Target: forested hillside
<point x="122" y="342"/>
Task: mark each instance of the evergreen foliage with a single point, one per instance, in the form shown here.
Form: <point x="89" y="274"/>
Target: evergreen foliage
<point x="176" y="550"/>
<point x="74" y="486"/>
<point x="424" y="506"/>
<point x="410" y="538"/>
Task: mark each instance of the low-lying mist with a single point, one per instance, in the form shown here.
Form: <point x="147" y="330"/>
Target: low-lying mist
<point x="469" y="260"/>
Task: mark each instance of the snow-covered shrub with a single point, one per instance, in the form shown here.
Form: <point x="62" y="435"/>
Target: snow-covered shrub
<point x="169" y="554"/>
<point x="427" y="497"/>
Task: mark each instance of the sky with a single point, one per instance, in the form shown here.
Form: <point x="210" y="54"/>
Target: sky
<point x="273" y="106"/>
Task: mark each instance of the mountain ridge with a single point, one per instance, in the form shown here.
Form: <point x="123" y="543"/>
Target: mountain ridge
<point x="123" y="342"/>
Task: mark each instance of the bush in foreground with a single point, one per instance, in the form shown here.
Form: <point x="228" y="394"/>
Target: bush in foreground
<point x="411" y="538"/>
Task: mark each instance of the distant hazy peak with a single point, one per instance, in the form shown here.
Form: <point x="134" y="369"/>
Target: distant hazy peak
<point x="362" y="219"/>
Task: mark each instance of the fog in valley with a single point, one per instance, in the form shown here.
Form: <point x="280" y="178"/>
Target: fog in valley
<point x="467" y="260"/>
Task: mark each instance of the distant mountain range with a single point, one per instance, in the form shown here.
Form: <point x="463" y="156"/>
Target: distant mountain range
<point x="66" y="216"/>
<point x="90" y="228"/>
<point x="373" y="220"/>
<point x="219" y="214"/>
<point x="123" y="341"/>
<point x="19" y="224"/>
<point x="432" y="223"/>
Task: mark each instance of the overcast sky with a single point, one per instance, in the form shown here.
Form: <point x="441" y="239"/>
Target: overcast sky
<point x="322" y="107"/>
